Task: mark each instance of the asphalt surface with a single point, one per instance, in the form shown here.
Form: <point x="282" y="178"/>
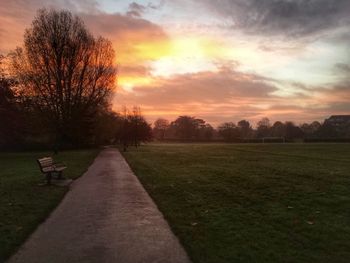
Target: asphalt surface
<point x="107" y="216"/>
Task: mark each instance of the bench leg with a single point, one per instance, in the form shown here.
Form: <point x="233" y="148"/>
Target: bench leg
<point x="48" y="178"/>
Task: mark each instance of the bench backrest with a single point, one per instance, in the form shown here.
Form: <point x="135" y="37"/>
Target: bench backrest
<point x="45" y="162"/>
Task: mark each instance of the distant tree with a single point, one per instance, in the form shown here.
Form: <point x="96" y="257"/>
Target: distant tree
<point x="12" y="120"/>
<point x="293" y="131"/>
<point x="140" y="130"/>
<point x="185" y="127"/>
<point x="278" y="129"/>
<point x="66" y="72"/>
<point x="305" y="127"/>
<point x="200" y="127"/>
<point x="135" y="129"/>
<point x="160" y="128"/>
<point x="206" y="132"/>
<point x="107" y="128"/>
<point x="229" y="131"/>
<point x="315" y="126"/>
<point x="245" y="128"/>
<point x="310" y="129"/>
<point x="263" y="128"/>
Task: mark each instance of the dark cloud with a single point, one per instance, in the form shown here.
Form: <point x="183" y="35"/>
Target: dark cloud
<point x="116" y="24"/>
<point x="156" y="6"/>
<point x="136" y="9"/>
<point x="16" y="15"/>
<point x="341" y="107"/>
<point x="26" y="9"/>
<point x="342" y="68"/>
<point x="283" y="17"/>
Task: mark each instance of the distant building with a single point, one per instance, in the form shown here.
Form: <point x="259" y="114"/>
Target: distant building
<point x="338" y="120"/>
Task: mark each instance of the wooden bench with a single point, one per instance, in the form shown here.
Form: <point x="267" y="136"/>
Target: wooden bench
<point x="49" y="168"/>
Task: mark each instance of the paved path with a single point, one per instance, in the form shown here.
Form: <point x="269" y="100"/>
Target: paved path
<point x="106" y="216"/>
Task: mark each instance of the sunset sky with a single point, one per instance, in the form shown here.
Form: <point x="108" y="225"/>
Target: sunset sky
<point x="219" y="60"/>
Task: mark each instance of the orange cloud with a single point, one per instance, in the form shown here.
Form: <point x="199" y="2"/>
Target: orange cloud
<point x="16" y="15"/>
<point x="225" y="93"/>
<point x="137" y="42"/>
<point x="230" y="95"/>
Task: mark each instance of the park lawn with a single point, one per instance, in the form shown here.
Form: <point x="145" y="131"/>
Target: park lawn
<point x="252" y="203"/>
<point x="24" y="202"/>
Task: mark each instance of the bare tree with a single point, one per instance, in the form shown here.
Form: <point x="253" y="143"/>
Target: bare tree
<point x="135" y="128"/>
<point x="186" y="127"/>
<point x="11" y="118"/>
<point x="160" y="128"/>
<point x="263" y="128"/>
<point x="245" y="128"/>
<point x="229" y="131"/>
<point x="67" y="73"/>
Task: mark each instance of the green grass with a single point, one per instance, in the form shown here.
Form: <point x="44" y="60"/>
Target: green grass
<point x="252" y="203"/>
<point x="24" y="203"/>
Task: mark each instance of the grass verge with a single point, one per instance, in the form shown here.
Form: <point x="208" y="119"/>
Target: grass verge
<point x="23" y="202"/>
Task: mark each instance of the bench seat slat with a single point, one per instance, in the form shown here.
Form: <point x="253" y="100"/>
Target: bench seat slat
<point x="46" y="161"/>
<point x="59" y="169"/>
<point x="48" y="169"/>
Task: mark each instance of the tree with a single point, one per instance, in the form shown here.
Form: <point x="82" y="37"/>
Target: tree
<point x="263" y="128"/>
<point x="315" y="126"/>
<point x="140" y="130"/>
<point x="185" y="127"/>
<point x="108" y="127"/>
<point x="66" y="72"/>
<point x="160" y="128"/>
<point x="292" y="131"/>
<point x="135" y="128"/>
<point x="12" y="120"/>
<point x="245" y="128"/>
<point x="206" y="132"/>
<point x="310" y="130"/>
<point x="278" y="129"/>
<point x="229" y="131"/>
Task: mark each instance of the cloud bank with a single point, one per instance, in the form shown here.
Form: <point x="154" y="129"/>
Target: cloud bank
<point x="291" y="18"/>
<point x="221" y="92"/>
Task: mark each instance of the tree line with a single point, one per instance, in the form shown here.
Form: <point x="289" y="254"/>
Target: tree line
<point x="188" y="128"/>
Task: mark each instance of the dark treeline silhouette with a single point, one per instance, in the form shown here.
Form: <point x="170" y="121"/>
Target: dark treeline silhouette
<point x="187" y="128"/>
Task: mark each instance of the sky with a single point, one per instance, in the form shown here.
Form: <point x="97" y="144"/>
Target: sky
<point x="220" y="60"/>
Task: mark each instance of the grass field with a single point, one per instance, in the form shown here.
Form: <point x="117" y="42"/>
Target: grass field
<point x="23" y="202"/>
<point x="252" y="203"/>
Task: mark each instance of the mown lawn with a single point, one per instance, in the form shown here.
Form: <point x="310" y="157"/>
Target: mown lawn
<point x="252" y="203"/>
<point x="24" y="203"/>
